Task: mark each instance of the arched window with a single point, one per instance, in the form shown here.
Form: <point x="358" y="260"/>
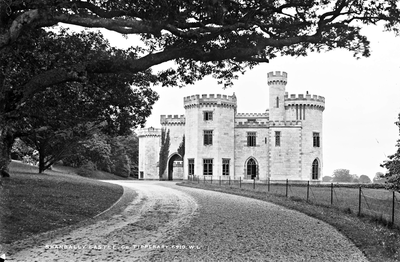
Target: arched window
<point x="315" y="169"/>
<point x="251" y="168"/>
<point x="277" y="102"/>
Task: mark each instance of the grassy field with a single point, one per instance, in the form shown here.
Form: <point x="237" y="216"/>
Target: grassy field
<point x="378" y="242"/>
<point x="376" y="203"/>
<point x="33" y="203"/>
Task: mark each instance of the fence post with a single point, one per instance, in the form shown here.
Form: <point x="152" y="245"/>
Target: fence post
<point x="204" y="179"/>
<point x="331" y="193"/>
<point x="394" y="196"/>
<point x="198" y="179"/>
<point x="308" y="190"/>
<point x="269" y="183"/>
<point x="240" y="182"/>
<point x="359" y="202"/>
<point x="254" y="183"/>
<point x="287" y="185"/>
<point x="229" y="180"/>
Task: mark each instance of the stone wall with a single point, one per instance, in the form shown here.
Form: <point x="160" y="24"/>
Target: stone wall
<point x="244" y="152"/>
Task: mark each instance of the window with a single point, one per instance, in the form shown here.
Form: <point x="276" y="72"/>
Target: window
<point x="277" y="138"/>
<point x="208" y="134"/>
<point x="208" y="115"/>
<point x="251" y="168"/>
<point x="208" y="167"/>
<point x="191" y="166"/>
<point x="251" y="138"/>
<point x="277" y="102"/>
<point x="316" y="139"/>
<point x="225" y="167"/>
<point x="315" y="169"/>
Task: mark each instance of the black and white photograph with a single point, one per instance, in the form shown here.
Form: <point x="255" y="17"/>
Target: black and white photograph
<point x="206" y="130"/>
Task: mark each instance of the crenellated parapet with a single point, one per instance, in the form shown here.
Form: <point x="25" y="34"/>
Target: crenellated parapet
<point x="172" y="120"/>
<point x="308" y="100"/>
<point x="253" y="124"/>
<point x="210" y="100"/>
<point x="293" y="123"/>
<point x="256" y="115"/>
<point x="149" y="132"/>
<point x="277" y="78"/>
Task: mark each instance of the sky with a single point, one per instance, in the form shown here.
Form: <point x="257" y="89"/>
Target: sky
<point x="362" y="98"/>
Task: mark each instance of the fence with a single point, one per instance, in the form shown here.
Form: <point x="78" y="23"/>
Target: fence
<point x="378" y="203"/>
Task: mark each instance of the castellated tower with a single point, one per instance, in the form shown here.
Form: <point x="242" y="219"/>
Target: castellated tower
<point x="176" y="126"/>
<point x="277" y="83"/>
<point x="295" y="132"/>
<point x="308" y="109"/>
<point x="209" y="131"/>
<point x="149" y="149"/>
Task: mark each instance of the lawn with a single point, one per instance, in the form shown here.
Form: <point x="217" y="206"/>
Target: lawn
<point x="378" y="242"/>
<point x="34" y="203"/>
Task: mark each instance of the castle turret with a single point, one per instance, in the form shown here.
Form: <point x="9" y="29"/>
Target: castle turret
<point x="149" y="149"/>
<point x="277" y="83"/>
<point x="209" y="135"/>
<point x="308" y="109"/>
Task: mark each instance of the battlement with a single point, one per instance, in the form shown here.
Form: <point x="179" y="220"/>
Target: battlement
<point x="151" y="131"/>
<point x="277" y="78"/>
<point x="252" y="124"/>
<point x="293" y="123"/>
<point x="213" y="99"/>
<point x="306" y="97"/>
<point x="305" y="100"/>
<point x="252" y="115"/>
<point x="277" y="74"/>
<point x="172" y="119"/>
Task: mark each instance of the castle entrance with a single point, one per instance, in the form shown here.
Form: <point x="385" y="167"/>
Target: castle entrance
<point x="175" y="167"/>
<point x="252" y="169"/>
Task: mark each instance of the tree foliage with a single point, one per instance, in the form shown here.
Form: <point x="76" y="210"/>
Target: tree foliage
<point x="181" y="148"/>
<point x="52" y="120"/>
<point x="342" y="175"/>
<point x="393" y="165"/>
<point x="164" y="152"/>
<point x="364" y="179"/>
<point x="221" y="38"/>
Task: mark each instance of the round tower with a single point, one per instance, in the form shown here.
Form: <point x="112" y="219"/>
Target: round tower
<point x="149" y="149"/>
<point x="308" y="109"/>
<point x="277" y="84"/>
<point x="209" y="135"/>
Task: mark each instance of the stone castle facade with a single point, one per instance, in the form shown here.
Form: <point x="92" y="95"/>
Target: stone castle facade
<point x="285" y="142"/>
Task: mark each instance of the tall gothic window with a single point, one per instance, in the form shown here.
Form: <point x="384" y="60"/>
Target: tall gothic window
<point x="277" y="102"/>
<point x="251" y="168"/>
<point x="315" y="169"/>
<point x="251" y="138"/>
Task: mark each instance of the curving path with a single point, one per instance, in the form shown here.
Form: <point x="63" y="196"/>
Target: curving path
<point x="172" y="223"/>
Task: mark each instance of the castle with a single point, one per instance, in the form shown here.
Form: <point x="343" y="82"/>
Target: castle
<point x="283" y="143"/>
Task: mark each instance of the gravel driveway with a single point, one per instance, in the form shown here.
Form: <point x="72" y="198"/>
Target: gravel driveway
<point x="172" y="223"/>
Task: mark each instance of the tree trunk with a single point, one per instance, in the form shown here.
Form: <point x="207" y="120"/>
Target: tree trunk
<point x="6" y="142"/>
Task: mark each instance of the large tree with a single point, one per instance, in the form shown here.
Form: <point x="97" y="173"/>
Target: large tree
<point x="55" y="118"/>
<point x="204" y="37"/>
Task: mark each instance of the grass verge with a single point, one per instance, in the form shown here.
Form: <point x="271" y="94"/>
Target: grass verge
<point x="377" y="242"/>
<point x="34" y="203"/>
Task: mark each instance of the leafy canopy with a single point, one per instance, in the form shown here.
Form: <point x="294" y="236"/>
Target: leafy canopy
<point x="207" y="37"/>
